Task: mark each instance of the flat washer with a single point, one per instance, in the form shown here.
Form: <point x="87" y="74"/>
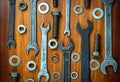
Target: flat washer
<point x="31" y="63"/>
<point x="78" y="12"/>
<point x="11" y="60"/>
<point x="22" y="5"/>
<point x="56" y="73"/>
<point x="98" y="10"/>
<point x="55" y="56"/>
<point x="53" y="41"/>
<point x="21" y="29"/>
<point x="75" y="54"/>
<point x="43" y="11"/>
<point x="76" y="73"/>
<point x="94" y="68"/>
<point x="30" y="80"/>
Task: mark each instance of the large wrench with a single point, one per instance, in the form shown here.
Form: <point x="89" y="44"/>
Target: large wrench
<point x="11" y="40"/>
<point x="85" y="65"/>
<point x="66" y="60"/>
<point x="43" y="69"/>
<point x="32" y="44"/>
<point x="67" y="26"/>
<point x="109" y="60"/>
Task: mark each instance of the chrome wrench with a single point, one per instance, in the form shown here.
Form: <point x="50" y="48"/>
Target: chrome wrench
<point x="109" y="60"/>
<point x="43" y="69"/>
<point x="32" y="44"/>
<point x="11" y="40"/>
<point x="67" y="26"/>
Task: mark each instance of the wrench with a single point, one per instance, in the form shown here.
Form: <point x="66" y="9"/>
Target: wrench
<point x="109" y="60"/>
<point x="11" y="40"/>
<point x="43" y="69"/>
<point x="66" y="61"/>
<point x="85" y="34"/>
<point x="32" y="44"/>
<point x="67" y="28"/>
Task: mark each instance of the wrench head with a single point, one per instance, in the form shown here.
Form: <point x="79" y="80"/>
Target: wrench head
<point x="32" y="46"/>
<point x="107" y="63"/>
<point x="69" y="48"/>
<point x="67" y="31"/>
<point x="44" y="29"/>
<point x="44" y="74"/>
<point x="108" y="2"/>
<point x="10" y="42"/>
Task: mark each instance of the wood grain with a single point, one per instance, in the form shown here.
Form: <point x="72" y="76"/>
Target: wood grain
<point x="22" y="40"/>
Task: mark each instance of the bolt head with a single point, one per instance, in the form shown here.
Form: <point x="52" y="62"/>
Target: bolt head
<point x="13" y="74"/>
<point x="55" y="13"/>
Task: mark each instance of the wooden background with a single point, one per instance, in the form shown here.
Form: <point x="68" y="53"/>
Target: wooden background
<point x="23" y="17"/>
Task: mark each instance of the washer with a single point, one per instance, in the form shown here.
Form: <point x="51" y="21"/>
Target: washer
<point x="55" y="56"/>
<point x="11" y="60"/>
<point x="94" y="61"/>
<point x="56" y="73"/>
<point x="75" y="54"/>
<point x="55" y="44"/>
<point x="43" y="11"/>
<point x="22" y="5"/>
<point x="98" y="10"/>
<point x="21" y="29"/>
<point x="30" y="80"/>
<point x="78" y="12"/>
<point x="31" y="63"/>
<point x="76" y="73"/>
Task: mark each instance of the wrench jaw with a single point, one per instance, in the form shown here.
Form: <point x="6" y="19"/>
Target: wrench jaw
<point x="107" y="63"/>
<point x="32" y="46"/>
<point x="10" y="42"/>
<point x="67" y="31"/>
<point x="44" y="29"/>
<point x="40" y="74"/>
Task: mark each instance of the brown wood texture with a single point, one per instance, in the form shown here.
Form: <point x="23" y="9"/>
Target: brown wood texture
<point x="23" y="17"/>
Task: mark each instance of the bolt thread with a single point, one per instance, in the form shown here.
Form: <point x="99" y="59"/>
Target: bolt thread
<point x="87" y="3"/>
<point x="15" y="79"/>
<point x="55" y="3"/>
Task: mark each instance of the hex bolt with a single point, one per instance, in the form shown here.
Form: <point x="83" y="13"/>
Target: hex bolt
<point x="87" y="3"/>
<point x="56" y="15"/>
<point x="55" y="3"/>
<point x="14" y="76"/>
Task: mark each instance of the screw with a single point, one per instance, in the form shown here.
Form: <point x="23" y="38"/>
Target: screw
<point x="14" y="76"/>
<point x="96" y="51"/>
<point x="87" y="3"/>
<point x="55" y="3"/>
<point x="55" y="23"/>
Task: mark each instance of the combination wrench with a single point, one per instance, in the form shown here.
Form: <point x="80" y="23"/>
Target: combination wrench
<point x="85" y="61"/>
<point x="43" y="69"/>
<point x="66" y="74"/>
<point x="67" y="26"/>
<point x="109" y="60"/>
<point x="32" y="44"/>
<point x="11" y="40"/>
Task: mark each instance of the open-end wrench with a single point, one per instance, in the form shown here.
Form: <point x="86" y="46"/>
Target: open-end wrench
<point x="44" y="69"/>
<point x="85" y="63"/>
<point x="11" y="40"/>
<point x="32" y="44"/>
<point x="67" y="26"/>
<point x="66" y="74"/>
<point x="109" y="60"/>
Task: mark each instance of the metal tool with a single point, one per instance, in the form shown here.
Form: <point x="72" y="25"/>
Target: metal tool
<point x="66" y="74"/>
<point x="44" y="68"/>
<point x="85" y="61"/>
<point x="87" y="3"/>
<point x="22" y="5"/>
<point x="11" y="40"/>
<point x="14" y="76"/>
<point x="32" y="44"/>
<point x="55" y="3"/>
<point x="109" y="60"/>
<point x="67" y="27"/>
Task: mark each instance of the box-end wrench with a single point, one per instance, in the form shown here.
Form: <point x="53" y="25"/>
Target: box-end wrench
<point x="109" y="60"/>
<point x="66" y="61"/>
<point x="32" y="44"/>
<point x="67" y="26"/>
<point x="11" y="40"/>
<point x="85" y="65"/>
<point x="44" y="68"/>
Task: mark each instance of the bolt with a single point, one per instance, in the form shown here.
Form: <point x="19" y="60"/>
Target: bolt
<point x="14" y="76"/>
<point x="55" y="23"/>
<point x="87" y="3"/>
<point x="55" y="3"/>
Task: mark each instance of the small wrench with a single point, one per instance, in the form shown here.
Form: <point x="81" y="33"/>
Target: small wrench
<point x="109" y="60"/>
<point x="85" y="65"/>
<point x="66" y="61"/>
<point x="11" y="40"/>
<point x="43" y="69"/>
<point x="67" y="26"/>
<point x="32" y="44"/>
